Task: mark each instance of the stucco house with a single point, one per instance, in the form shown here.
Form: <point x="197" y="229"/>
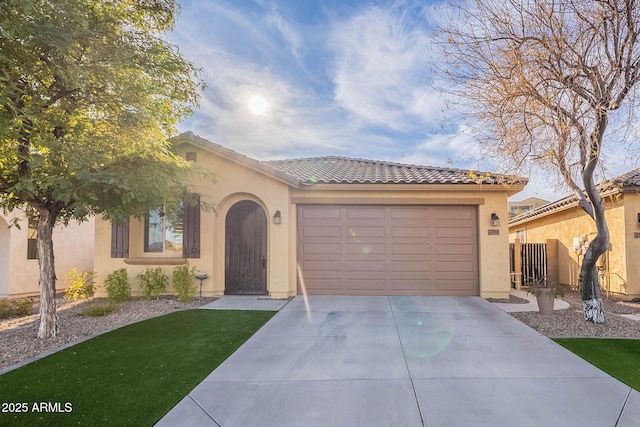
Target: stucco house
<point x="565" y="221"/>
<point x="326" y="225"/>
<point x="19" y="271"/>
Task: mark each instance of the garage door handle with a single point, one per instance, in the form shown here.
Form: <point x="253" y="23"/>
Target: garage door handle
<point x="264" y="261"/>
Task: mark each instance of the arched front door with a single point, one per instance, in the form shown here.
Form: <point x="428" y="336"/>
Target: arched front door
<point x="246" y="250"/>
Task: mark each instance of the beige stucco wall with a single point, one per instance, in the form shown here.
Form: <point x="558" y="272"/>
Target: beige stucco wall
<point x="234" y="182"/>
<point x="622" y="274"/>
<point x="237" y="181"/>
<point x="73" y="248"/>
<point x="632" y="244"/>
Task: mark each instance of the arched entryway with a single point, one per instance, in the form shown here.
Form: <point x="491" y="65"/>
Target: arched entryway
<point x="246" y="250"/>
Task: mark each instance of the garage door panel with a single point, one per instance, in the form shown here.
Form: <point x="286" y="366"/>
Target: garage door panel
<point x="365" y="213"/>
<point x="323" y="266"/>
<point x="318" y="212"/>
<point x="455" y="249"/>
<point x="410" y="249"/>
<point x="321" y="248"/>
<point x="410" y="232"/>
<point x="463" y="215"/>
<point x="365" y="286"/>
<point x="364" y="267"/>
<point x="465" y="234"/>
<point x="323" y="286"/>
<point x="410" y="266"/>
<point x="454" y="287"/>
<point x="389" y="250"/>
<point x="360" y="232"/>
<point x="321" y="231"/>
<point x="454" y="267"/>
<point x="411" y="286"/>
<point x="366" y="249"/>
<point x="408" y="213"/>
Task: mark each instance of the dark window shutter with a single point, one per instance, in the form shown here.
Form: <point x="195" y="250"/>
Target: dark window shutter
<point x="191" y="230"/>
<point x="120" y="240"/>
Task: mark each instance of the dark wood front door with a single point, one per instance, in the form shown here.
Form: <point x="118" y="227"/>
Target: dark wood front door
<point x="246" y="250"/>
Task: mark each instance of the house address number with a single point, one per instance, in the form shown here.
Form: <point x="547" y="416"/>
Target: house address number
<point x="493" y="232"/>
<point x="636" y="235"/>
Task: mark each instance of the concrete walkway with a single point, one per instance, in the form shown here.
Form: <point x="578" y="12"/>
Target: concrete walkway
<point x="403" y="361"/>
<point x="246" y="302"/>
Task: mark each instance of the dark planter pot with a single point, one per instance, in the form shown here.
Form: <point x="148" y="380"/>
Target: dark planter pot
<point x="545" y="297"/>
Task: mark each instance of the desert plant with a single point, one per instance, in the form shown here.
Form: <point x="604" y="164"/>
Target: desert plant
<point x="183" y="280"/>
<point x="79" y="285"/>
<point x="15" y="308"/>
<point x="153" y="281"/>
<point x="118" y="286"/>
<point x="98" y="310"/>
<point x="537" y="286"/>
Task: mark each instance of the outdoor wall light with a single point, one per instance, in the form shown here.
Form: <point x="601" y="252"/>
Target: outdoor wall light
<point x="277" y="217"/>
<point x="495" y="221"/>
<point x="638" y="216"/>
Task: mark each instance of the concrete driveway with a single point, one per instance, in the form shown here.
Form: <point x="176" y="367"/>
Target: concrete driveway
<point x="403" y="361"/>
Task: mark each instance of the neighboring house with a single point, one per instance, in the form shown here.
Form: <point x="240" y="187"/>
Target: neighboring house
<point x="19" y="271"/>
<point x="325" y="225"/>
<point x="526" y="205"/>
<point x="565" y="221"/>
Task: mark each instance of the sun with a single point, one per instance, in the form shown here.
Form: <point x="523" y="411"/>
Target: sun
<point x="257" y="104"/>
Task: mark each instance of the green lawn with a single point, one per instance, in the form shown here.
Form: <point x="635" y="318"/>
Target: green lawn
<point x="620" y="358"/>
<point x="128" y="377"/>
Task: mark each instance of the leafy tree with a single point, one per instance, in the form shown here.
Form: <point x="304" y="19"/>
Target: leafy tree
<point x="89" y="93"/>
<point x="544" y="79"/>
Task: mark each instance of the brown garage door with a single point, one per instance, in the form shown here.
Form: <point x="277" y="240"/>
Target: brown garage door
<point x="388" y="250"/>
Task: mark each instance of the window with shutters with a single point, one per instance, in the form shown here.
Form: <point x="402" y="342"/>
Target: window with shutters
<point x="177" y="236"/>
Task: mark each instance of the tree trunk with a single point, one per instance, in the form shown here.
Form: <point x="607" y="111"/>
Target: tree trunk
<point x="48" y="315"/>
<point x="589" y="283"/>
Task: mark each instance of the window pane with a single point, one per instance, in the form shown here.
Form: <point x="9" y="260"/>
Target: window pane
<point x="153" y="233"/>
<point x="173" y="236"/>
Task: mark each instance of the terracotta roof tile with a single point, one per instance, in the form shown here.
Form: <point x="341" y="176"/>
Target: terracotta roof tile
<point x="344" y="170"/>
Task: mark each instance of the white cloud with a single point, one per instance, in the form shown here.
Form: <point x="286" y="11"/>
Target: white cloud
<point x="380" y="69"/>
<point x="287" y="31"/>
<point x="458" y="149"/>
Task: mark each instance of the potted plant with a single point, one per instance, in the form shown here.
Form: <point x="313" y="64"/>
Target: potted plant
<point x="545" y="293"/>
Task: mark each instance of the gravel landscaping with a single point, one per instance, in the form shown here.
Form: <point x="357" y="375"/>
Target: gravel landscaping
<point x="570" y="322"/>
<point x="19" y="342"/>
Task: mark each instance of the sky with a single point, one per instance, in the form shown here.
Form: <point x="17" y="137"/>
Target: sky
<point x="302" y="78"/>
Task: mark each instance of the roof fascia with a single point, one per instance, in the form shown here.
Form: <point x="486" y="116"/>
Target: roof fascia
<point x="414" y="187"/>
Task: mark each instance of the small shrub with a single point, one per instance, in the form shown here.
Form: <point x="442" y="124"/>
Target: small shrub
<point x="153" y="281"/>
<point x="98" y="310"/>
<point x="15" y="308"/>
<point x="183" y="280"/>
<point x="79" y="285"/>
<point x="118" y="286"/>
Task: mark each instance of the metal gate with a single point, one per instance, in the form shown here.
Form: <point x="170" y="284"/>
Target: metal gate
<point x="533" y="262"/>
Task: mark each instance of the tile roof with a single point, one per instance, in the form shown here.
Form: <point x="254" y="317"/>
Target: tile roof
<point x="344" y="170"/>
<point x="628" y="181"/>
